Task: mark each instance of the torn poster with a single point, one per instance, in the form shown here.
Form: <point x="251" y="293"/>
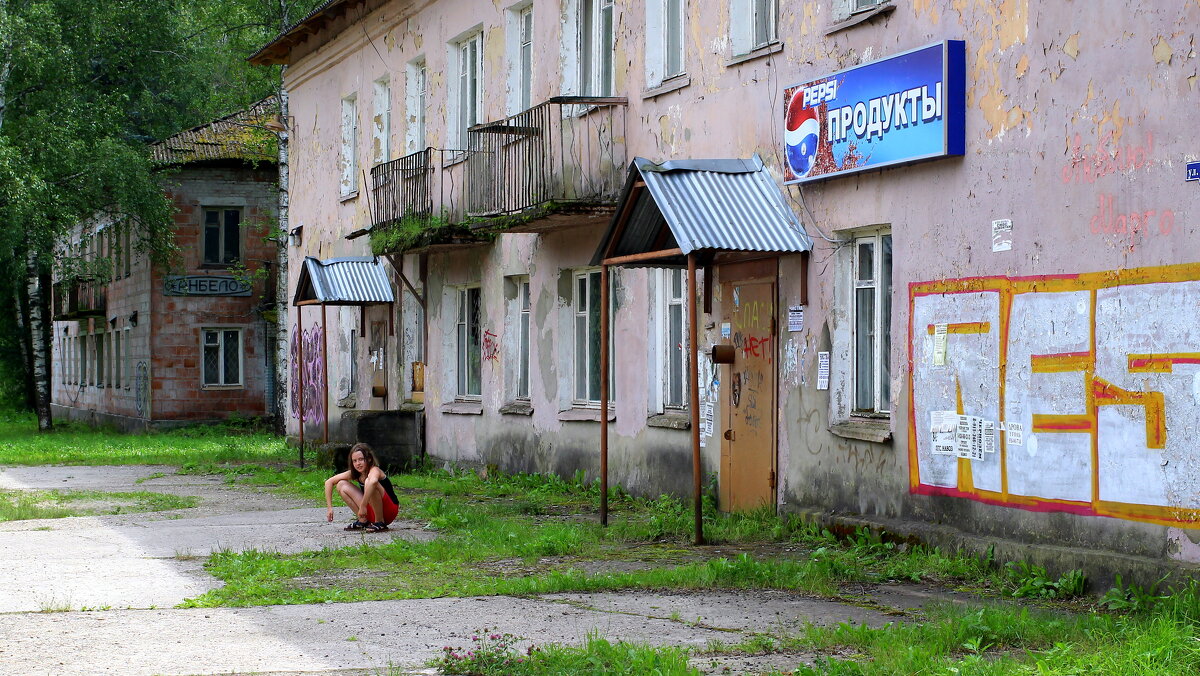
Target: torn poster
<point x="1002" y="235"/>
<point x="939" y="344"/>
<point x="941" y="426"/>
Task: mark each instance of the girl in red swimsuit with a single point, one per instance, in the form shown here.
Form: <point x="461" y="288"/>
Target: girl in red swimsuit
<point x="374" y="503"/>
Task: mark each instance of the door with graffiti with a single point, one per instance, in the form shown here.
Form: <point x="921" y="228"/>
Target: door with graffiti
<point x="747" y="478"/>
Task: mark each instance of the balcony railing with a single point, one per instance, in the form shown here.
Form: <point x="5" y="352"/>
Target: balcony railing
<point x="402" y="187"/>
<point x="79" y="299"/>
<point x="568" y="149"/>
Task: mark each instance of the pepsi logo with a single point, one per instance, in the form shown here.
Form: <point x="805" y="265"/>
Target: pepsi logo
<point x="801" y="134"/>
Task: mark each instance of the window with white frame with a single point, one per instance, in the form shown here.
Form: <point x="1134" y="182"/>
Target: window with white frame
<point x="349" y="154"/>
<point x="519" y="48"/>
<point x="844" y="9"/>
<point x="222" y="356"/>
<point x="664" y="40"/>
<point x="222" y="236"/>
<point x="128" y="365"/>
<point x="352" y="360"/>
<point x="753" y="25"/>
<point x="468" y="351"/>
<point x="872" y="319"/>
<point x="468" y="84"/>
<point x="675" y="390"/>
<point x="381" y="121"/>
<point x="415" y="101"/>
<point x="118" y="358"/>
<point x="596" y="47"/>
<point x="586" y="316"/>
<point x="81" y="347"/>
<point x="523" y="347"/>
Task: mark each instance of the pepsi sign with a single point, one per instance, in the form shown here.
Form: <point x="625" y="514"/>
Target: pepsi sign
<point x="902" y="109"/>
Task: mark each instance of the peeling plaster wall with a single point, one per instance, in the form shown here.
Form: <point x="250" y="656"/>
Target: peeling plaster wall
<point x="1075" y="132"/>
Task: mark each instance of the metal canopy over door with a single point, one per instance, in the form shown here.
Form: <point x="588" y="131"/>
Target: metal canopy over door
<point x="748" y="456"/>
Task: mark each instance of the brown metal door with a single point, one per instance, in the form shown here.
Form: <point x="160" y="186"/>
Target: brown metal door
<point x="748" y="448"/>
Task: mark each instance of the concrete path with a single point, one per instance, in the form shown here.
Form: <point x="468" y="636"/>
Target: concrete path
<point x="94" y="595"/>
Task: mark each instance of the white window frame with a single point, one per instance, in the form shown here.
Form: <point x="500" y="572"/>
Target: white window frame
<point x="352" y="360"/>
<point x="381" y="121"/>
<point x="222" y="213"/>
<point x="101" y="361"/>
<point x="128" y="365"/>
<point x="466" y="102"/>
<point x="416" y="96"/>
<point x="348" y="158"/>
<point x="583" y="314"/>
<point x="220" y="332"/>
<point x="463" y="348"/>
<point x="519" y="22"/>
<point x="118" y="358"/>
<point x="754" y="24"/>
<point x="871" y="353"/>
<point x="524" y="328"/>
<point x="674" y="373"/>
<point x="596" y="36"/>
<point x="665" y="40"/>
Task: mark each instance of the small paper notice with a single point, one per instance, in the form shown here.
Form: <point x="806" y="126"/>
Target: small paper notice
<point x="796" y="318"/>
<point x="822" y="370"/>
<point x="939" y="345"/>
<point x="706" y="424"/>
<point x="989" y="436"/>
<point x="726" y="330"/>
<point x="971" y="437"/>
<point x="1015" y="433"/>
<point x="1002" y="235"/>
<point x="941" y="426"/>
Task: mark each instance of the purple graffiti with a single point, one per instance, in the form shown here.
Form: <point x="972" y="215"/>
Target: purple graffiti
<point x="311" y="373"/>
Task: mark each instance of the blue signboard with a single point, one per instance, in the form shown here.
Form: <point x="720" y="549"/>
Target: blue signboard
<point x="1193" y="171"/>
<point x="901" y="109"/>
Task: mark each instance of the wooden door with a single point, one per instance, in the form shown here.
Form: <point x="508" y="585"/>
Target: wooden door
<point x="748" y="396"/>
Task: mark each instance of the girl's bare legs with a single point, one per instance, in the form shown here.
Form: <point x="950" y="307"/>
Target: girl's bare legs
<point x="373" y="496"/>
<point x="353" y="498"/>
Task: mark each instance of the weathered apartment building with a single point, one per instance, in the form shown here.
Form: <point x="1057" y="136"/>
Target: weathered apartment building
<point x="138" y="346"/>
<point x="948" y="242"/>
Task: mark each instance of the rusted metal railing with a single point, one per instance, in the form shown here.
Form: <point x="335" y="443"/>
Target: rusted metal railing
<point x="402" y="187"/>
<point x="567" y="149"/>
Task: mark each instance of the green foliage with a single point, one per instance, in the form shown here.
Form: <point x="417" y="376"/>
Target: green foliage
<point x="1133" y="598"/>
<point x="19" y="505"/>
<point x="416" y="230"/>
<point x="1032" y="581"/>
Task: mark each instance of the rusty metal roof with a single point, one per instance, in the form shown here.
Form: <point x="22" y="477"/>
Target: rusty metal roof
<point x="694" y="205"/>
<point x="343" y="281"/>
<point x="240" y="136"/>
<point x="277" y="51"/>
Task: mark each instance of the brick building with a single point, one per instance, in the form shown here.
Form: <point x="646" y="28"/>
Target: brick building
<point x="138" y="346"/>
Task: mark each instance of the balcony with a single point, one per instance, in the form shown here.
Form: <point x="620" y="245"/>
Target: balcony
<point x="80" y="299"/>
<point x="402" y="188"/>
<point x="564" y="155"/>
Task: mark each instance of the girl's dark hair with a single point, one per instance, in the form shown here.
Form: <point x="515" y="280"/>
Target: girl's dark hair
<point x="368" y="455"/>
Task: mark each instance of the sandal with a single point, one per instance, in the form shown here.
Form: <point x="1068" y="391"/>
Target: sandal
<point x="377" y="527"/>
<point x="357" y="525"/>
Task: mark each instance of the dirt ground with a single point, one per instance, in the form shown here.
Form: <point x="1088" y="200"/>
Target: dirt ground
<point x="92" y="595"/>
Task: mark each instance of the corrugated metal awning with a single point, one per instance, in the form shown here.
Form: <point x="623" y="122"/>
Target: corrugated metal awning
<point x="694" y="205"/>
<point x="343" y="281"/>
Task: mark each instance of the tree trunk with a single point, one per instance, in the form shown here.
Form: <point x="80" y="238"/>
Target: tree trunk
<point x="282" y="342"/>
<point x="21" y="315"/>
<point x="39" y="331"/>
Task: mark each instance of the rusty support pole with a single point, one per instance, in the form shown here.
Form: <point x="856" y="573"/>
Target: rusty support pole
<point x="325" y="379"/>
<point x="694" y="395"/>
<point x="300" y="374"/>
<point x="604" y="319"/>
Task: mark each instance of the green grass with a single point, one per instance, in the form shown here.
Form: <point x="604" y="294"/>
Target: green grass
<point x="494" y="654"/>
<point x="73" y="444"/>
<point x="23" y="505"/>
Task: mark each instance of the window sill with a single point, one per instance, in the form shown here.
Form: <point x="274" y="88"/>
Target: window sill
<point x="222" y="387"/>
<point x="463" y="408"/>
<point x="766" y="50"/>
<point x="675" y="420"/>
<point x="517" y="408"/>
<point x="864" y="430"/>
<point x="585" y="415"/>
<point x="215" y="266"/>
<point x="348" y="196"/>
<point x="866" y="15"/>
<point x="671" y="84"/>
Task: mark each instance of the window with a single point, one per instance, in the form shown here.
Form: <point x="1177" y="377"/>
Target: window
<point x="352" y="360"/>
<point x="523" y="339"/>
<point x="753" y="25"/>
<point x="872" y="317"/>
<point x="467" y="341"/>
<point x="127" y="363"/>
<point x="675" y="361"/>
<point x="222" y="236"/>
<point x="98" y="342"/>
<point x="81" y="345"/>
<point x="417" y="83"/>
<point x="664" y="40"/>
<point x="222" y="349"/>
<point x="596" y="47"/>
<point x="586" y="310"/>
<point x="381" y="122"/>
<point x="520" y="58"/>
<point x="118" y="358"/>
<point x="349" y="156"/>
<point x="863" y="5"/>
<point x="469" y="84"/>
